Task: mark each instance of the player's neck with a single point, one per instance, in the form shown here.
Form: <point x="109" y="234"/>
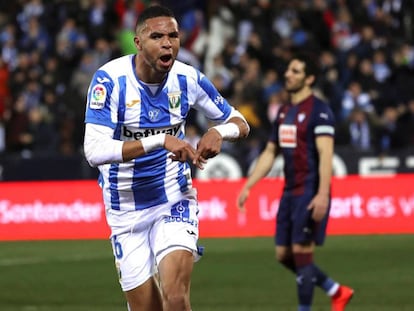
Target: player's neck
<point x="146" y="74"/>
<point x="299" y="96"/>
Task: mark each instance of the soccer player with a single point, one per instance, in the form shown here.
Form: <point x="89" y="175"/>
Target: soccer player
<point x="303" y="132"/>
<point x="135" y="119"/>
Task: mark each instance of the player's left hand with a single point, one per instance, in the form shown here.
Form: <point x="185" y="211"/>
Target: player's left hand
<point x="319" y="206"/>
<point x="209" y="146"/>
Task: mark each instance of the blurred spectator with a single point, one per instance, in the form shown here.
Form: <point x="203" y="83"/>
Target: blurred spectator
<point x="355" y="97"/>
<point x="389" y="137"/>
<point x="4" y="88"/>
<point x="35" y="38"/>
<point x="358" y="131"/>
<point x="41" y="136"/>
<point x="380" y="67"/>
<point x="17" y="126"/>
<point x="49" y="50"/>
<point x="405" y="124"/>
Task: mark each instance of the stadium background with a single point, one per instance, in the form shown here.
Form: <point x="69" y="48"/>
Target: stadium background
<point x="49" y="51"/>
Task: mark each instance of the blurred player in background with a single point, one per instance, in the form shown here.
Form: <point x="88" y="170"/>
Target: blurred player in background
<point x="136" y="111"/>
<point x="304" y="133"/>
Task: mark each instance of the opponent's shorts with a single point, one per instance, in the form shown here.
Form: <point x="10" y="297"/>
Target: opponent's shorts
<point x="142" y="238"/>
<point x="294" y="223"/>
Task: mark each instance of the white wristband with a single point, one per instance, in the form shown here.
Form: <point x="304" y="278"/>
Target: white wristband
<point x="228" y="130"/>
<point x="153" y="142"/>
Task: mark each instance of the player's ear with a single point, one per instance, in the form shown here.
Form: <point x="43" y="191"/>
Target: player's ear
<point x="137" y="42"/>
<point x="310" y="79"/>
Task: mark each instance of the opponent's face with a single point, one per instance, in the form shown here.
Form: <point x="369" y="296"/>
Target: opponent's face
<point x="158" y="43"/>
<point x="295" y="77"/>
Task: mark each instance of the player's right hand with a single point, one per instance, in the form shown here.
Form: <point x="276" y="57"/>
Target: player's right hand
<point x="241" y="200"/>
<point x="182" y="151"/>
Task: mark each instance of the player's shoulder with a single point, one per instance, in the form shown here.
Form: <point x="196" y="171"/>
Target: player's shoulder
<point x="320" y="102"/>
<point x="184" y="69"/>
<point x="322" y="110"/>
<point x="117" y="66"/>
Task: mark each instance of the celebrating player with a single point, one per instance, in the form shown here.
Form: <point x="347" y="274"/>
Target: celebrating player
<point x="135" y="118"/>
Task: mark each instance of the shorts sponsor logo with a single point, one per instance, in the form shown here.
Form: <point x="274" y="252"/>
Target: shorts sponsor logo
<point x="180" y="212"/>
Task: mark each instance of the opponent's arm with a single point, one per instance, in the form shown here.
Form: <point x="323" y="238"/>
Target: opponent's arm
<point x="320" y="203"/>
<point x="263" y="166"/>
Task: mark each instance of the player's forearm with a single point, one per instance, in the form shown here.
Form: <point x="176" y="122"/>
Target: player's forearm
<point x="325" y="174"/>
<point x="262" y="168"/>
<point x="102" y="152"/>
<point x="243" y="126"/>
<point x="325" y="150"/>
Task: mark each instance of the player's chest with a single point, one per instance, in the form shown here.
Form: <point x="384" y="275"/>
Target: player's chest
<point x="138" y="105"/>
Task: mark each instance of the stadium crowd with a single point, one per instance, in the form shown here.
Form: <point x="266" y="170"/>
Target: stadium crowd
<point x="50" y="49"/>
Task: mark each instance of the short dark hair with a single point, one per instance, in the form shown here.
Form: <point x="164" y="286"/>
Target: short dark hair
<point x="151" y="12"/>
<point x="311" y="63"/>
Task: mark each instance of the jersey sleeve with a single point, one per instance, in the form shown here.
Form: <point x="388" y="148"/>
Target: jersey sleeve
<point x="324" y="121"/>
<point x="98" y="103"/>
<point x="210" y="102"/>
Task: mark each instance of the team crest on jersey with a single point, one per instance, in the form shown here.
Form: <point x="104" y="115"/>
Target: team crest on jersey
<point x="174" y="100"/>
<point x="98" y="96"/>
<point x="301" y="117"/>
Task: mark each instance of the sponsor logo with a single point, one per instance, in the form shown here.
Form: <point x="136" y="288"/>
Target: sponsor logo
<point x="191" y="232"/>
<point x="134" y="133"/>
<point x="132" y="103"/>
<point x="180" y="212"/>
<point x="324" y="116"/>
<point x="102" y="80"/>
<point x="219" y="100"/>
<point x="181" y="209"/>
<point x="287" y="135"/>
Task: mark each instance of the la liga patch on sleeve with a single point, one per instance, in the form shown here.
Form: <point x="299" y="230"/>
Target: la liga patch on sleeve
<point x="98" y="96"/>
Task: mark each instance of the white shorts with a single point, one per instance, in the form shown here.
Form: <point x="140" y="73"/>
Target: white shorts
<point x="140" y="239"/>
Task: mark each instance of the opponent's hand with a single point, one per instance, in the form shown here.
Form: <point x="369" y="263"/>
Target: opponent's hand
<point x="182" y="151"/>
<point x="241" y="200"/>
<point x="319" y="206"/>
<point x="208" y="146"/>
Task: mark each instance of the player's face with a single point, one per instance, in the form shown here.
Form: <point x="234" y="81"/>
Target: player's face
<point x="295" y="78"/>
<point x="158" y="43"/>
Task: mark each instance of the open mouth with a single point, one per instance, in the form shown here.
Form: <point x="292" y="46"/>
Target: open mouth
<point x="166" y="58"/>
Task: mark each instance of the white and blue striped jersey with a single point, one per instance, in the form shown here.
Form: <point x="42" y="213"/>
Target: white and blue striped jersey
<point x="117" y="99"/>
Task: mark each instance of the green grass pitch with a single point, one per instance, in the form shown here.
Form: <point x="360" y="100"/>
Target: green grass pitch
<point x="233" y="275"/>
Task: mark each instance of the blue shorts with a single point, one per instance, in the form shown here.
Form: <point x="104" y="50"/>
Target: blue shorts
<point x="294" y="223"/>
